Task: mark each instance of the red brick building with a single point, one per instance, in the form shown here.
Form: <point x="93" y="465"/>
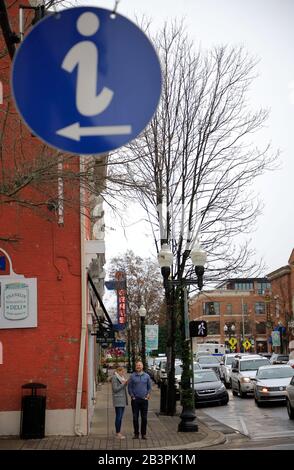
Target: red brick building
<point x="46" y="318"/>
<point x="239" y="308"/>
<point x="282" y="301"/>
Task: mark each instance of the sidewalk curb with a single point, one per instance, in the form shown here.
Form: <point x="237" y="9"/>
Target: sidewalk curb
<point x="217" y="438"/>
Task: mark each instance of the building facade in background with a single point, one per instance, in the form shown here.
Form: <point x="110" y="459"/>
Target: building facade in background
<point x="282" y="302"/>
<point x="238" y="309"/>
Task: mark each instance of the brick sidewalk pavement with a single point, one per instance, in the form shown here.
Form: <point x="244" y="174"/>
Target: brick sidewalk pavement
<point x="161" y="431"/>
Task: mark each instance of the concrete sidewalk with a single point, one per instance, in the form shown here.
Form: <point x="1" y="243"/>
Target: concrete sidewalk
<point x="161" y="431"/>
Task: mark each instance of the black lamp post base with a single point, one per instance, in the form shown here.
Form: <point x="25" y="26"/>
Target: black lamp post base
<point x="188" y="421"/>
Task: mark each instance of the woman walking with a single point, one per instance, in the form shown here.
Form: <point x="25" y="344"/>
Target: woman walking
<point x="120" y="398"/>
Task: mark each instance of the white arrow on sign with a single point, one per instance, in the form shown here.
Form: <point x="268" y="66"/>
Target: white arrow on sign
<point x="75" y="131"/>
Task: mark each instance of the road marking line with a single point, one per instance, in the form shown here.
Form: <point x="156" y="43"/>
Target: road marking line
<point x="244" y="427"/>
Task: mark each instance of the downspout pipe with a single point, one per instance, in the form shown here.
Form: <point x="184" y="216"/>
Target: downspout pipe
<point x="10" y="37"/>
<point x="83" y="336"/>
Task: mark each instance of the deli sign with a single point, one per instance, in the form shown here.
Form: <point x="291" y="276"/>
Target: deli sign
<point x="120" y="277"/>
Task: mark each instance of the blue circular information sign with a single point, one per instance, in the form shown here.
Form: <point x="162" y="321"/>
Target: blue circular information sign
<point x="86" y="82"/>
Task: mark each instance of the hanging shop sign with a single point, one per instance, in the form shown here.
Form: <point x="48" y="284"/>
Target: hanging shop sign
<point x="18" y="300"/>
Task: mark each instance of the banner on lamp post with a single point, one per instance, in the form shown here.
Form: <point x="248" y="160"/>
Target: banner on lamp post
<point x="276" y="340"/>
<point x="151" y="337"/>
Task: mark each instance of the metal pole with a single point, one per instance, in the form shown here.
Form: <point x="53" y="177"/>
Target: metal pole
<point x="281" y="338"/>
<point x="243" y="325"/>
<point x="143" y="342"/>
<point x="171" y="391"/>
<point x="188" y="416"/>
<point x="129" y="350"/>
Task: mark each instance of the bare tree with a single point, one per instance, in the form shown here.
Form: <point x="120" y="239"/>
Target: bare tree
<point x="197" y="160"/>
<point x="143" y="288"/>
<point x="195" y="168"/>
<point x="143" y="284"/>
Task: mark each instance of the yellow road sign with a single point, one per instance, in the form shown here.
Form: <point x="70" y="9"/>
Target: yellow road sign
<point x="246" y="344"/>
<point x="232" y="342"/>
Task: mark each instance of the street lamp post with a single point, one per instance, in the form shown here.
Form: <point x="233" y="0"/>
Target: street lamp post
<point x="229" y="330"/>
<point x="281" y="331"/>
<point x="142" y="313"/>
<point x="165" y="258"/>
<point x="129" y="369"/>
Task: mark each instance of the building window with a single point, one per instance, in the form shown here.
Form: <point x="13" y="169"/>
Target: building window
<point x="259" y="308"/>
<point x="229" y="309"/>
<point x="245" y="309"/>
<point x="244" y="286"/>
<point x="261" y="328"/>
<point x="211" y="308"/>
<point x="262" y="287"/>
<point x="213" y="328"/>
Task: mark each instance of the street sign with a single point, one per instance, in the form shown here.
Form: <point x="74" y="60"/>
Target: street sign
<point x="233" y="342"/>
<point x="110" y="285"/>
<point x="85" y="82"/>
<point x="198" y="328"/>
<point x="105" y="336"/>
<point x="246" y="344"/>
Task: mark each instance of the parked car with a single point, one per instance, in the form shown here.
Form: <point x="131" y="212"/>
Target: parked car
<point x="279" y="359"/>
<point x="290" y="398"/>
<point x="244" y="368"/>
<point x="210" y="362"/>
<point x="208" y="388"/>
<point x="162" y="374"/>
<point x="178" y="375"/>
<point x="155" y="367"/>
<point x="270" y="383"/>
<point x="160" y="371"/>
<point x="226" y="367"/>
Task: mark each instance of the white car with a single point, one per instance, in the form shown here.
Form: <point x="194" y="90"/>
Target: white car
<point x="290" y="398"/>
<point x="226" y="367"/>
<point x="270" y="383"/>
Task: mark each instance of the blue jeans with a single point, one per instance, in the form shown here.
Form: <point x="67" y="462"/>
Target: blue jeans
<point x="119" y="411"/>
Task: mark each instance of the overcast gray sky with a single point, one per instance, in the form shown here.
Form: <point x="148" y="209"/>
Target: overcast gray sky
<point x="265" y="28"/>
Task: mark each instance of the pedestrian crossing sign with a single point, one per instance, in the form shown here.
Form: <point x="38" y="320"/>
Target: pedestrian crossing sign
<point x="246" y="344"/>
<point x="232" y="342"/>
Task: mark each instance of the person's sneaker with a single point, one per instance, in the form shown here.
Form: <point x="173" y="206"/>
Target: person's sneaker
<point x="136" y="436"/>
<point x="144" y="437"/>
<point x="120" y="436"/>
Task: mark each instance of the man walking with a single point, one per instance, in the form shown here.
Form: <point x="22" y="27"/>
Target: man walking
<point x="139" y="388"/>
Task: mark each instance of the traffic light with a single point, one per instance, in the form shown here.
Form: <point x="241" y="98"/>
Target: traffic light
<point x="197" y="328"/>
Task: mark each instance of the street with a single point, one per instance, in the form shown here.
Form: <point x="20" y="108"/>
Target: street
<point x="267" y="427"/>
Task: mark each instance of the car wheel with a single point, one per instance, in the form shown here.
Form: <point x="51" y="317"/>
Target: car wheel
<point x="290" y="410"/>
<point x="224" y="402"/>
<point x="242" y="394"/>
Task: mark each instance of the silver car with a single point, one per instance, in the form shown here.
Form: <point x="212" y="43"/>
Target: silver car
<point x="226" y="367"/>
<point x="290" y="398"/>
<point x="210" y="362"/>
<point x="178" y="375"/>
<point x="270" y="383"/>
<point x="244" y="369"/>
<point x="209" y="389"/>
